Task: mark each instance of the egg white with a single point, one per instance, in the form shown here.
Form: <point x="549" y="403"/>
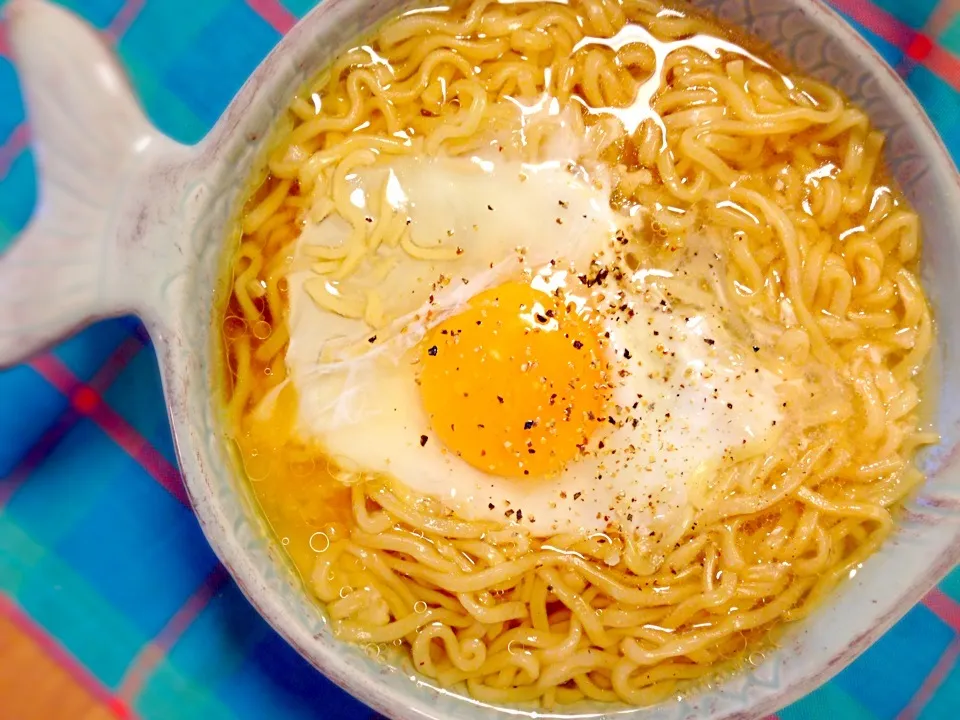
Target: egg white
<point x="686" y="397"/>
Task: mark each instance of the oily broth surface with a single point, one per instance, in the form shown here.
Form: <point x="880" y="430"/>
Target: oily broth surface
<point x="819" y="253"/>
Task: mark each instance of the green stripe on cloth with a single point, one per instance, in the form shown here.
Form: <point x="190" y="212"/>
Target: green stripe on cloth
<point x="830" y="701"/>
<point x="165" y="108"/>
<point x="950" y="37"/>
<point x="62" y="602"/>
<point x="172" y="695"/>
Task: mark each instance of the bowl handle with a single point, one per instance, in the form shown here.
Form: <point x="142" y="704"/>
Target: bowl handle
<point x="96" y="239"/>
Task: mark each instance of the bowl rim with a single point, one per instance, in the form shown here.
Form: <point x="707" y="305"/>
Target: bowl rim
<point x="414" y="704"/>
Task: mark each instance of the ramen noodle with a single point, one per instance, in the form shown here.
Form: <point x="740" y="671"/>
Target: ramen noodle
<point x="571" y="350"/>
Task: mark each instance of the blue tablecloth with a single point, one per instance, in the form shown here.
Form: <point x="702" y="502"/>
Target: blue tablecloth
<point x="104" y="564"/>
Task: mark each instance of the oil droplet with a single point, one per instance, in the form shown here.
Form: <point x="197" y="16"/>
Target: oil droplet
<point x="420" y="607"/>
<point x="285" y="541"/>
<point x="257" y="467"/>
<point x="262" y="330"/>
<point x="234" y="327"/>
<point x="319" y="542"/>
<point x="756" y="658"/>
<point x="345" y="590"/>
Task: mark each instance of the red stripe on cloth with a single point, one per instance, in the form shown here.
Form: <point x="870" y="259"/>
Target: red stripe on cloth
<point x="56" y="652"/>
<point x="916" y="45"/>
<point x="194" y="605"/>
<point x="877" y="21"/>
<point x="944" y="607"/>
<point x="945" y="65"/>
<point x="115" y="364"/>
<point x="37" y="454"/>
<point x="151" y="655"/>
<point x="279" y="18"/>
<point x="4" y="42"/>
<point x="124" y="19"/>
<point x="12" y="147"/>
<point x="138" y="448"/>
<point x="932" y="682"/>
<point x="83" y="400"/>
<point x="56" y="373"/>
<point x="87" y="401"/>
<point x="919" y="47"/>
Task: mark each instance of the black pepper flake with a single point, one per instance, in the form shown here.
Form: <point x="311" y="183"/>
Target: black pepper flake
<point x="432" y="352"/>
<point x="491" y="506"/>
<point x="626" y="354"/>
<point x="729" y="406"/>
<point x="519" y="514"/>
<point x="577" y="344"/>
<point x="529" y="424"/>
<point x="372" y="339"/>
<point x="489" y="207"/>
<point x="423" y="440"/>
<point x="576" y="495"/>
<point x="500" y="399"/>
<point x="756" y="349"/>
<point x="708" y="341"/>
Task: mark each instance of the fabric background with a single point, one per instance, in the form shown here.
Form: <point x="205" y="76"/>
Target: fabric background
<point x="107" y="585"/>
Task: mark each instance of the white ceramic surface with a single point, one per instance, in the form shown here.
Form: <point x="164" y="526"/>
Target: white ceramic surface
<point x="129" y="221"/>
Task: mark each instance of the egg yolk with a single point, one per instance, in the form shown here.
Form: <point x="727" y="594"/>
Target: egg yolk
<point x="514" y="384"/>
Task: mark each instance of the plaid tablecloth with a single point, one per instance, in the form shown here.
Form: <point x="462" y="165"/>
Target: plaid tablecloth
<point x="106" y="583"/>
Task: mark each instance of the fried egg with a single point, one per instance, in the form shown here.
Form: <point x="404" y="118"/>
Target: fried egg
<point x="531" y="377"/>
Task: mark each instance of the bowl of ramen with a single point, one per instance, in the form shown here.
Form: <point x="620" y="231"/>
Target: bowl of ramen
<point x="531" y="358"/>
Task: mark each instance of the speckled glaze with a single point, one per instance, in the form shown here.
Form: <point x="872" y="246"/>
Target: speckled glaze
<point x="130" y="221"/>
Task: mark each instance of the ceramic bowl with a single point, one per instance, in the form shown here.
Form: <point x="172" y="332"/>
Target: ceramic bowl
<point x="131" y="222"/>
